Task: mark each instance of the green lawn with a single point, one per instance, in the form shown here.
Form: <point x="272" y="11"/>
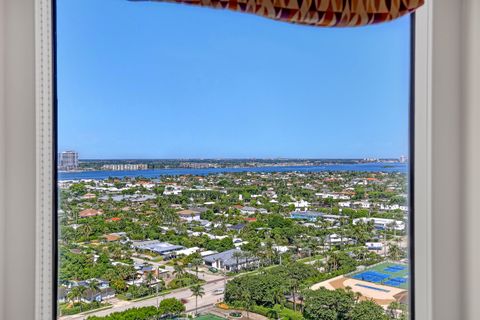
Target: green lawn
<point x="381" y="268"/>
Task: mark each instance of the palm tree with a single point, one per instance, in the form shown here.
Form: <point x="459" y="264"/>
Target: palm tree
<point x="76" y="294"/>
<point x="93" y="286"/>
<point x="81" y="291"/>
<point x="178" y="270"/>
<point x="393" y="226"/>
<point x="333" y="262"/>
<point x="197" y="291"/>
<point x="87" y="230"/>
<point x="237" y="254"/>
<point x="72" y="295"/>
<point x="394" y="252"/>
<point x="150" y="278"/>
<point x="294" y="284"/>
<point x="396" y="310"/>
<point x="197" y="262"/>
<point x="358" y="296"/>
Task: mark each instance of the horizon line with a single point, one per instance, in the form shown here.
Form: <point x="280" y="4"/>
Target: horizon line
<point x="244" y="158"/>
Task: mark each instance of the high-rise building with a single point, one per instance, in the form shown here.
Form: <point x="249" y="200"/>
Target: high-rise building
<point x="68" y="160"/>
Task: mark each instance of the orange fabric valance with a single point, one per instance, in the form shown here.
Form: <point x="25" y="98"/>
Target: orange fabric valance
<point x="324" y="13"/>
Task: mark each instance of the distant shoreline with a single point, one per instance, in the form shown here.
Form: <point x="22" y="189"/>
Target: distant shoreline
<point x="156" y="173"/>
<point x="178" y="164"/>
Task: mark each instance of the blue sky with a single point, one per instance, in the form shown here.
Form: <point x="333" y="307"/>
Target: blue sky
<point x="154" y="80"/>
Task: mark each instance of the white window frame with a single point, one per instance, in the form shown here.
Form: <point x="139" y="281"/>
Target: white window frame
<point x="444" y="144"/>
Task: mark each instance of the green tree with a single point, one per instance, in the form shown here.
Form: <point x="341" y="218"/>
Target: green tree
<point x="76" y="294"/>
<point x="367" y="310"/>
<point x="397" y="311"/>
<point x="171" y="306"/>
<point x="196" y="262"/>
<point x="145" y="313"/>
<point x="178" y="270"/>
<point x="150" y="278"/>
<point x="272" y="314"/>
<point x="395" y="253"/>
<point x="197" y="291"/>
<point x="295" y="274"/>
<point x="119" y="285"/>
<point x="324" y="304"/>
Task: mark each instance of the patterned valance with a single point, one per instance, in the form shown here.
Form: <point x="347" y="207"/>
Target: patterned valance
<point x="324" y="13"/>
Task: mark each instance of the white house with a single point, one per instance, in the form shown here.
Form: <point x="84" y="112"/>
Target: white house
<point x="364" y="204"/>
<point x="187" y="251"/>
<point x="189" y="215"/>
<point x="393" y="207"/>
<point x="334" y="196"/>
<point x="172" y="190"/>
<point x="344" y="204"/>
<point x="280" y="249"/>
<point x="301" y="205"/>
<point x="382" y="224"/>
<point x="252" y="210"/>
<point x="335" y="239"/>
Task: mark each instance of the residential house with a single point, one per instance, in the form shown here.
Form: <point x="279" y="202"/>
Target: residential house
<point x="335" y="240"/>
<point x="306" y="215"/>
<point x="301" y="205"/>
<point x="90" y="213"/>
<point x="172" y="190"/>
<point x="162" y="248"/>
<point x="230" y="260"/>
<point x="382" y="224"/>
<point x="252" y="210"/>
<point x="189" y="215"/>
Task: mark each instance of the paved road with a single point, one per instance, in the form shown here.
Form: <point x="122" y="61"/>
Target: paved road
<point x="208" y="299"/>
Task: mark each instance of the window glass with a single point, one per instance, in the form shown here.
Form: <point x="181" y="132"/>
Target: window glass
<point x="222" y="165"/>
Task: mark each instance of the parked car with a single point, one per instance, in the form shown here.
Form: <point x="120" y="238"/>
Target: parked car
<point x="218" y="291"/>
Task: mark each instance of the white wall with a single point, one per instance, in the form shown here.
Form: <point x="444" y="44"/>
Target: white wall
<point x="2" y="150"/>
<point x="445" y="103"/>
<point x="455" y="176"/>
<point x="471" y="160"/>
<point x="18" y="160"/>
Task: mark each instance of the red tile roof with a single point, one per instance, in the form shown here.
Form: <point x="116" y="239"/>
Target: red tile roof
<point x="89" y="213"/>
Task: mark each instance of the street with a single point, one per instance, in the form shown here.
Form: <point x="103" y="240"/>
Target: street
<point x="208" y="299"/>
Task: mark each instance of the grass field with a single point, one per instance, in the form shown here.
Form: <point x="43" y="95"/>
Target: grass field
<point x="390" y="275"/>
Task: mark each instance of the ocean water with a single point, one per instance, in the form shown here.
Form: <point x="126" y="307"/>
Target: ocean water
<point x="156" y="173"/>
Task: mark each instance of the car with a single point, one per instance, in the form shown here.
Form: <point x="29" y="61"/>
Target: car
<point x="213" y="270"/>
<point x="218" y="291"/>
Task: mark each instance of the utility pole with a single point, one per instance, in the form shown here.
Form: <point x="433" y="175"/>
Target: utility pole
<point x="158" y="272"/>
<point x="385" y="248"/>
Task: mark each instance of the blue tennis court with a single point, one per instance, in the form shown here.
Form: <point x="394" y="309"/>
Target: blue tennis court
<point x="371" y="276"/>
<point x="390" y="274"/>
<point x="394" y="269"/>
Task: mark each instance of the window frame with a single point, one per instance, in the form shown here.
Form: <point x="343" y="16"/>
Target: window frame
<point x="51" y="154"/>
<point x="29" y="55"/>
